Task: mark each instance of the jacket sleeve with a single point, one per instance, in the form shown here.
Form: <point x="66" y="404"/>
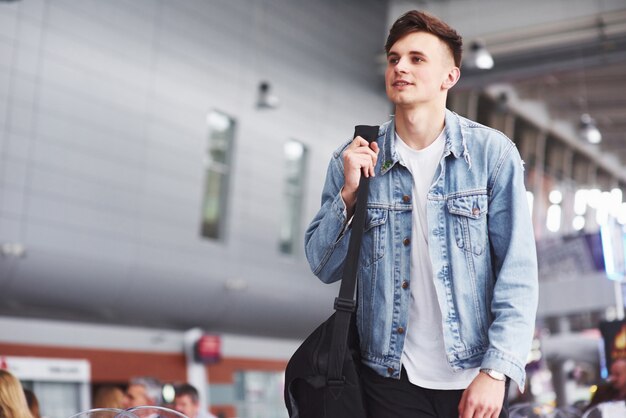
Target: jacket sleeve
<point x="515" y="293"/>
<point x="326" y="239"/>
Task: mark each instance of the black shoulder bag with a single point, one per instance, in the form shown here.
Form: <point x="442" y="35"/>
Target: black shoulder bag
<point x="322" y="379"/>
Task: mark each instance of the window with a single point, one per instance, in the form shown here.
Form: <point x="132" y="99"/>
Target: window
<point x="295" y="166"/>
<point x="260" y="394"/>
<point x="219" y="153"/>
<point x="57" y="399"/>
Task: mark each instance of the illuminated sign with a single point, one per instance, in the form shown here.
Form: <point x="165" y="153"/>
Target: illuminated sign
<point x="208" y="349"/>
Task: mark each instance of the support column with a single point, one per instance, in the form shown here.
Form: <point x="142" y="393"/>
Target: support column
<point x="592" y="181"/>
<point x="539" y="210"/>
<point x="569" y="190"/>
<point x="472" y="104"/>
<point x="509" y="125"/>
<point x="619" y="300"/>
<point x="196" y="372"/>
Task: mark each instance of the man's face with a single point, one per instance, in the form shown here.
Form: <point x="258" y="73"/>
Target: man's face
<point x="420" y="70"/>
<point x="186" y="405"/>
<point x="136" y="396"/>
<point x="618" y="376"/>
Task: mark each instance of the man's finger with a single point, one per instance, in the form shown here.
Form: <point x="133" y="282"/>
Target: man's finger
<point x="374" y="147"/>
<point x="360" y="161"/>
<point x="462" y="404"/>
<point x="359" y="142"/>
<point x="363" y="152"/>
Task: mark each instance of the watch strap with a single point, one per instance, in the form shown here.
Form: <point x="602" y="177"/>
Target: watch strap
<point x="494" y="374"/>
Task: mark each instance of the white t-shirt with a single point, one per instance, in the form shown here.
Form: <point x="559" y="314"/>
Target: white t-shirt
<point x="424" y="356"/>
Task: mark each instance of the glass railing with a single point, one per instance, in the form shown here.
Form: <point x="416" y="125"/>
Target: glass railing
<point x="615" y="409"/>
<point x="104" y="413"/>
<point x="531" y="410"/>
<point x="136" y="412"/>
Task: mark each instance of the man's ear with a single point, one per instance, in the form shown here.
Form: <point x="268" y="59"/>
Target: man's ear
<point x="451" y="79"/>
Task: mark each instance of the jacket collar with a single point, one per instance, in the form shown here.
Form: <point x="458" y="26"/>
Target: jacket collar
<point x="455" y="135"/>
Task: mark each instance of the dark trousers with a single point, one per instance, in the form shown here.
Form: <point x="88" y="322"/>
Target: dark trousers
<point x="391" y="398"/>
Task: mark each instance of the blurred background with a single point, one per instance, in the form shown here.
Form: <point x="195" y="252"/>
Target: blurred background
<point x="160" y="161"/>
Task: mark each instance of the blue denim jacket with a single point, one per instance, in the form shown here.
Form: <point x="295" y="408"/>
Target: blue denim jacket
<point x="481" y="246"/>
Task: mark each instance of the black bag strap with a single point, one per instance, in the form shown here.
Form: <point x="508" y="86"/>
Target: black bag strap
<point x="345" y="303"/>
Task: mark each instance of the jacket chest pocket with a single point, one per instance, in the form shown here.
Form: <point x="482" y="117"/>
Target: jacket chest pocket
<point x="469" y="216"/>
<point x="373" y="244"/>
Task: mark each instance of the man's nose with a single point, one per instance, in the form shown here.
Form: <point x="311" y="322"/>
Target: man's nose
<point x="400" y="66"/>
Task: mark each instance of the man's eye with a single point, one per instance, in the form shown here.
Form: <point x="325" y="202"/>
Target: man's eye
<point x="392" y="60"/>
<point x="417" y="59"/>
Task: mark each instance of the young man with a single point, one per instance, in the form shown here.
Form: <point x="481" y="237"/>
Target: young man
<point x="143" y="391"/>
<point x="447" y="289"/>
<point x="615" y="388"/>
<point x="187" y="401"/>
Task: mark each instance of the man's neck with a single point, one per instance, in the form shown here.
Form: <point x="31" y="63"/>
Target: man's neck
<point x="419" y="127"/>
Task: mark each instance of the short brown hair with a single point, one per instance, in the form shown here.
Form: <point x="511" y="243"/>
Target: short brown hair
<point x="416" y="21"/>
<point x="189" y="390"/>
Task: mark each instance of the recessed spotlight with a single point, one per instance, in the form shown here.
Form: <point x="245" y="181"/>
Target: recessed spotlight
<point x="236" y="284"/>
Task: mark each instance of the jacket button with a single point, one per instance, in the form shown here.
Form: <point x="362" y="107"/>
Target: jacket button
<point x="406" y="198"/>
<point x="475" y="211"/>
<point x="406" y="241"/>
<point x="400" y="330"/>
<point x="390" y="370"/>
<point x="405" y="284"/>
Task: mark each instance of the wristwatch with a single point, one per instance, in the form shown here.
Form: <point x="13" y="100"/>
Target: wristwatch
<point x="494" y="374"/>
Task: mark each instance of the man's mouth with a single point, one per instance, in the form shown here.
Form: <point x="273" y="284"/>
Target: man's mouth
<point x="401" y="83"/>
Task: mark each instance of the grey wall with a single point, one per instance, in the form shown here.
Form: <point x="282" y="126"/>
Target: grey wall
<point x="103" y="134"/>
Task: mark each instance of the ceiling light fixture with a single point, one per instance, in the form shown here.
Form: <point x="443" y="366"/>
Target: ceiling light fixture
<point x="502" y="102"/>
<point x="266" y="100"/>
<point x="478" y="56"/>
<point x="12" y="250"/>
<point x="588" y="129"/>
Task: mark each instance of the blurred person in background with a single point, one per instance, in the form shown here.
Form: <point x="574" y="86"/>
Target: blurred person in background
<point x="143" y="391"/>
<point x="33" y="403"/>
<point x="109" y="397"/>
<point x="187" y="401"/>
<point x="12" y="399"/>
<point x="615" y="388"/>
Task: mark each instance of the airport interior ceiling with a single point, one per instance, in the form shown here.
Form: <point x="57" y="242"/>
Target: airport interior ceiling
<point x="108" y="208"/>
<point x="576" y="66"/>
